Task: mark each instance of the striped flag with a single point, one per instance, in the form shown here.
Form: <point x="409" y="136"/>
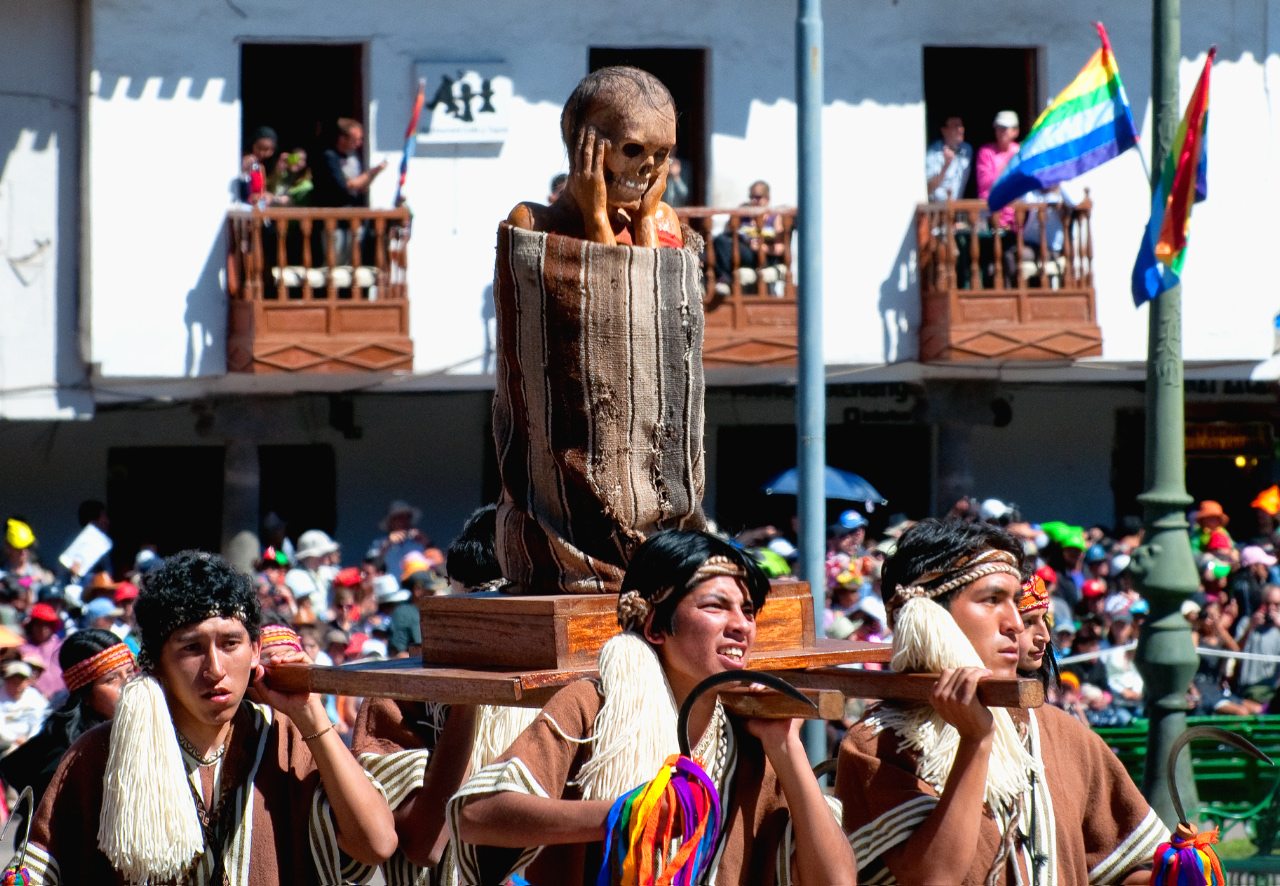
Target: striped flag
<point x="1184" y="181"/>
<point x="409" y="135"/>
<point x="1088" y="124"/>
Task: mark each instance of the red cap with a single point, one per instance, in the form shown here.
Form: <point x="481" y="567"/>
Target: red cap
<point x="355" y="645"/>
<point x="1218" y="541"/>
<point x="1047" y="575"/>
<point x="347" y="578"/>
<point x="1094" y="587"/>
<point x="44" y="612"/>
<point x="126" y="591"/>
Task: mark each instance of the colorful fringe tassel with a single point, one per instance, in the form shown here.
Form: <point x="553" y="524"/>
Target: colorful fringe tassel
<point x="16" y="877"/>
<point x="681" y="804"/>
<point x="1188" y="859"/>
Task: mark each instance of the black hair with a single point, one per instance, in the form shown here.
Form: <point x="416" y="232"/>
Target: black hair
<point x="186" y="589"/>
<point x="633" y="83"/>
<point x="933" y="545"/>
<point x="376" y="563"/>
<point x="670" y="559"/>
<point x="263" y="132"/>
<point x="75" y="717"/>
<point x="89" y="511"/>
<point x="472" y="558"/>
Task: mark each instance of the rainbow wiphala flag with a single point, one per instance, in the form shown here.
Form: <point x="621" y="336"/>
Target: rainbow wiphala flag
<point x="1088" y="124"/>
<point x="1184" y="181"/>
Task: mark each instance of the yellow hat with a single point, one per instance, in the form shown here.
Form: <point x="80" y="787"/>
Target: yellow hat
<point x="19" y="535"/>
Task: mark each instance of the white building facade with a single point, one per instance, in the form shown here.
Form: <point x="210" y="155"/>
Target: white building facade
<point x="126" y="121"/>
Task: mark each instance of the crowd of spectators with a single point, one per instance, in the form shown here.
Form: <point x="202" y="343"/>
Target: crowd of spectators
<point x="343" y="608"/>
<point x="1096" y="612"/>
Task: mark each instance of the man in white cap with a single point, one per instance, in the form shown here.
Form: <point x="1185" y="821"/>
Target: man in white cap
<point x="994" y="156"/>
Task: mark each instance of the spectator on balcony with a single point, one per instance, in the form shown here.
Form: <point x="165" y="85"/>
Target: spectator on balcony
<point x="290" y="184"/>
<point x="994" y="156"/>
<point x="255" y="163"/>
<point x="947" y="162"/>
<point x="677" y="192"/>
<point x="755" y="233"/>
<point x="340" y="179"/>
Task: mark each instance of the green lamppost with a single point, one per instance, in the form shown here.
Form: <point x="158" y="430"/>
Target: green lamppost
<point x="1163" y="567"/>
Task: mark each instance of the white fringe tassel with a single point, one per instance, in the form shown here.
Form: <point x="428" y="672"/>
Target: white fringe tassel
<point x="149" y="829"/>
<point x="635" y="730"/>
<point x="927" y="639"/>
<point x="496" y="729"/>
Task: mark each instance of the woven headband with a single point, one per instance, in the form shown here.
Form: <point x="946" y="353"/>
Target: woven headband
<point x="634" y="608"/>
<point x="964" y="571"/>
<point x="85" y="672"/>
<point x="1035" y="595"/>
<point x="182" y="616"/>
<point x="279" y="635"/>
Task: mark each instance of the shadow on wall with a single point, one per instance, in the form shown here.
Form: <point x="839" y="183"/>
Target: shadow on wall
<point x="206" y="314"/>
<point x="900" y="303"/>
<point x="32" y="125"/>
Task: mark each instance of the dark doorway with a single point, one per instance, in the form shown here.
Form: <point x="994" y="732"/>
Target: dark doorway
<point x="300" y="485"/>
<point x="684" y="72"/>
<point x="893" y="458"/>
<point x="300" y="90"/>
<point x="975" y="83"/>
<point x="1229" y="462"/>
<point x="167" y="496"/>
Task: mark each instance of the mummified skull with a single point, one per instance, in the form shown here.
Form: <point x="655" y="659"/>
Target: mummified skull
<point x="635" y="112"/>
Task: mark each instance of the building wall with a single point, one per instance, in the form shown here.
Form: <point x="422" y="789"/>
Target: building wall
<point x="426" y="448"/>
<point x="39" y="135"/>
<point x="165" y="133"/>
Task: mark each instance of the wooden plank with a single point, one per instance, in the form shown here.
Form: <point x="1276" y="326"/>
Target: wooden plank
<point x="407" y="679"/>
<point x="769" y="705"/>
<point x="996" y="692"/>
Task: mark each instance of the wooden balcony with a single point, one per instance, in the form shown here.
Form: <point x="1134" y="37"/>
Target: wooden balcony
<point x="988" y="295"/>
<point x="751" y="309"/>
<point x="317" y="290"/>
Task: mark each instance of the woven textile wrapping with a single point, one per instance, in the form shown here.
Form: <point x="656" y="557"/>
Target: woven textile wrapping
<point x="598" y="412"/>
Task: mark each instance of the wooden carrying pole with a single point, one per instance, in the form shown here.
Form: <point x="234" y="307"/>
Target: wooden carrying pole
<point x="407" y="680"/>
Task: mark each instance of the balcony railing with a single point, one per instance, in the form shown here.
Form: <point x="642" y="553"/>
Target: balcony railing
<point x="317" y="290"/>
<point x="991" y="292"/>
<point x="750" y="299"/>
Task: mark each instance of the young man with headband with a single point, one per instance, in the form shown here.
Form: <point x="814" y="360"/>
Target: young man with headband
<point x="191" y="783"/>
<point x="687" y="609"/>
<point x="952" y="792"/>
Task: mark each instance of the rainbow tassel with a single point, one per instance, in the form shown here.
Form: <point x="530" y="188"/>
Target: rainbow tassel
<point x="1188" y="859"/>
<point x="16" y="877"/>
<point x="681" y="804"/>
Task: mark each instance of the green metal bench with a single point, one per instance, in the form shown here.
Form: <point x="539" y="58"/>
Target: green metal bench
<point x="1233" y="787"/>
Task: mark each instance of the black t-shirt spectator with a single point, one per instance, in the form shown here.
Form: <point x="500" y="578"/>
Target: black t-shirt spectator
<point x="331" y="182"/>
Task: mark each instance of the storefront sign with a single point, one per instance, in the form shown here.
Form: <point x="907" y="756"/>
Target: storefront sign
<point x="1229" y="438"/>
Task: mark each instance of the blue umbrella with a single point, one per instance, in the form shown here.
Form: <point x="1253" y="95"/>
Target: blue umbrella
<point x="839" y="484"/>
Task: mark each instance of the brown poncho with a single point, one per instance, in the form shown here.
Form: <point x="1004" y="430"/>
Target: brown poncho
<point x="598" y="409"/>
<point x="1091" y="826"/>
<point x="64" y="831"/>
<point x="392" y="740"/>
<point x="756" y="842"/>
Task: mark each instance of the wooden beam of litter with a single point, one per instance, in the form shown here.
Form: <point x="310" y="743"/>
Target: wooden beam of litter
<point x="994" y="692"/>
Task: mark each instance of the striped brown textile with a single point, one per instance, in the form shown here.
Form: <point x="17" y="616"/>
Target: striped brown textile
<point x="598" y="411"/>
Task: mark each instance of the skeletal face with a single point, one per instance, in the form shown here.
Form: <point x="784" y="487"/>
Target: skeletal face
<point x="641" y="140"/>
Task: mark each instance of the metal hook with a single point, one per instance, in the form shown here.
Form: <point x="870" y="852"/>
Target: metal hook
<point x="30" y="798"/>
<point x="773" y="681"/>
<point x="1196" y="732"/>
